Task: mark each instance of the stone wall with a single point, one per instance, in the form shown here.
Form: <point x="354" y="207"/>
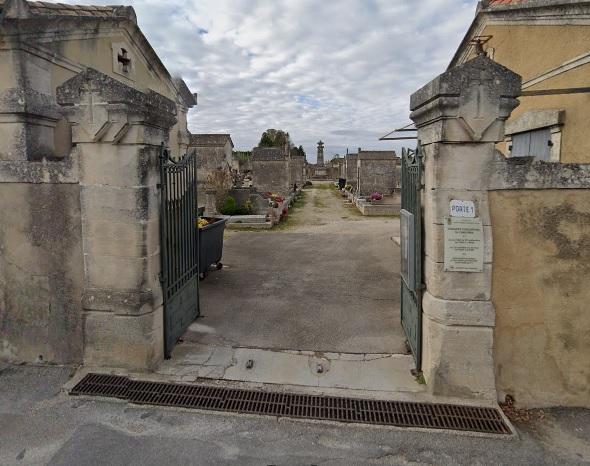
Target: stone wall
<point x="460" y="117"/>
<point x="41" y="266"/>
<point x="351" y="169"/>
<point x="296" y="170"/>
<point x="376" y="172"/>
<point x="271" y="170"/>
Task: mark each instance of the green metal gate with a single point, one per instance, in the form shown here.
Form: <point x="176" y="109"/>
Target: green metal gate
<point x="179" y="245"/>
<point x="411" y="250"/>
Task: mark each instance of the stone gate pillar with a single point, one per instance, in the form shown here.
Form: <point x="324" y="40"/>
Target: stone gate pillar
<point x="460" y="116"/>
<point x="117" y="131"/>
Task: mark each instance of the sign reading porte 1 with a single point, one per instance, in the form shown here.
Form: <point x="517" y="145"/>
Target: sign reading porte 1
<point x="462" y="208"/>
<point x="463" y="239"/>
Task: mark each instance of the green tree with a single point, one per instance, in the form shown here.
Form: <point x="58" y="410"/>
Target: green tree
<point x="274" y="138"/>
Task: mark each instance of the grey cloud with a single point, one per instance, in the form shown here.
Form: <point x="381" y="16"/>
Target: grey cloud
<point x="262" y="63"/>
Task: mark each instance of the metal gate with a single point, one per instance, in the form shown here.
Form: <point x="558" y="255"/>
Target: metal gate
<point x="411" y="250"/>
<point x="179" y="245"/>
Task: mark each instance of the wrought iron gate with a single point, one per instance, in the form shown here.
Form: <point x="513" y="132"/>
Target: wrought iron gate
<point x="411" y="250"/>
<point x="179" y="244"/>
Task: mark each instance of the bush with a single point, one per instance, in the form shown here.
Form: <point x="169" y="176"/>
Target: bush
<point x="307" y="184"/>
<point x="229" y="206"/>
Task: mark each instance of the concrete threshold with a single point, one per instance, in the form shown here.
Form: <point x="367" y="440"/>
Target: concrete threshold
<point x="324" y="370"/>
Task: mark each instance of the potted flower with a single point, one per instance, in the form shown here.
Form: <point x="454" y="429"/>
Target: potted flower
<point x="376" y="198"/>
<point x="348" y="187"/>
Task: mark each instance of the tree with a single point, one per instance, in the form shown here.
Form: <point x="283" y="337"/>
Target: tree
<point x="301" y="151"/>
<point x="274" y="138"/>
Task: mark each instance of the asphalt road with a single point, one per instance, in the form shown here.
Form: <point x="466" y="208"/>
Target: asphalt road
<point x="40" y="424"/>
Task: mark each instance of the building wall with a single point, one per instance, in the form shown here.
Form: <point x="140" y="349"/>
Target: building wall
<point x="531" y="50"/>
<point x="540" y="292"/>
<point x="210" y="159"/>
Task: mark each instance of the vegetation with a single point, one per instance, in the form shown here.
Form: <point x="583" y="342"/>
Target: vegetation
<point x="231" y="207"/>
<point x="242" y="155"/>
<point x="274" y="138"/>
<point x="219" y="181"/>
<point x="294" y="210"/>
<point x="298" y="151"/>
<point x="317" y="202"/>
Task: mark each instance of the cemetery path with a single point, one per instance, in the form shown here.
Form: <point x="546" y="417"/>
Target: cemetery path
<point x="327" y="282"/>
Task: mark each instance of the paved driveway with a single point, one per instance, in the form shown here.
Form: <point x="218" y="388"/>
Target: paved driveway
<point x="328" y="281"/>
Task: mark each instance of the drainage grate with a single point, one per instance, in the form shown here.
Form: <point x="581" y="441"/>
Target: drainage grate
<point x="330" y="408"/>
<point x="114" y="386"/>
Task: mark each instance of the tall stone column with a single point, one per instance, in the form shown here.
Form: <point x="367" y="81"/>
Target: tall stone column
<point x="118" y="131"/>
<point x="460" y="117"/>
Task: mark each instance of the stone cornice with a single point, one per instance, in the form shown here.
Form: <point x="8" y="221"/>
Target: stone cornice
<point x="155" y="109"/>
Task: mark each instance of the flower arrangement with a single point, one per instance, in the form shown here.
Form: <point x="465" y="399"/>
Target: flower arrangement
<point x="376" y="196"/>
<point x="202" y="222"/>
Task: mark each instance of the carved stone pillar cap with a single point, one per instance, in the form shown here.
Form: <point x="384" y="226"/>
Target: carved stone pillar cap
<point x="467" y="103"/>
<point x="153" y="108"/>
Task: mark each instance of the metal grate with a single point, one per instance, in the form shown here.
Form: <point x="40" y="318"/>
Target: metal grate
<point x="114" y="386"/>
<point x="330" y="408"/>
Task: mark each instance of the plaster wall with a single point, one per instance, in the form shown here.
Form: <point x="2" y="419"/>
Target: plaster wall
<point x="540" y="292"/>
<point x="532" y="50"/>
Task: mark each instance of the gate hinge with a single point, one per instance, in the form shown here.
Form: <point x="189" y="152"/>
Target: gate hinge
<point x="161" y="277"/>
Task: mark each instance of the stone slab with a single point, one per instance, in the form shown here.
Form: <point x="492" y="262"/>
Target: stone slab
<point x="372" y="372"/>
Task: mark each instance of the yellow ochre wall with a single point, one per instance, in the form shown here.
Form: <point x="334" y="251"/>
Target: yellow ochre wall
<point x="541" y="293"/>
<point x="531" y="50"/>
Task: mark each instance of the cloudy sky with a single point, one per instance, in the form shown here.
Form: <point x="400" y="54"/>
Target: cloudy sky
<point x="337" y="70"/>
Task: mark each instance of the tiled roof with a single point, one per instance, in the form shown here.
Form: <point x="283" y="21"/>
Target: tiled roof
<point x="210" y="140"/>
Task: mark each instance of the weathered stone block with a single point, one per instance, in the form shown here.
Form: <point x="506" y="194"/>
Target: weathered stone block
<point x="465" y="167"/>
<point x="137" y="239"/>
<point x="124" y="166"/>
<point x="436" y="204"/>
<point x="116" y="273"/>
<point x="120" y="204"/>
<point x="134" y="342"/>
<point x="458" y="360"/>
<point x="452" y="312"/>
<point x="470" y="286"/>
<point x="434" y="245"/>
